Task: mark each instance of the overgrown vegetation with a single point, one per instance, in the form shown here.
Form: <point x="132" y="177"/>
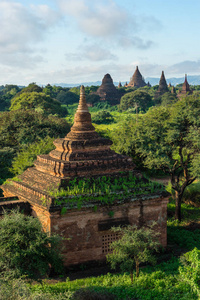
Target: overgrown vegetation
<point x="104" y="190"/>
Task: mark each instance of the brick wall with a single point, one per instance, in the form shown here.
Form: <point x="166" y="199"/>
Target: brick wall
<point x="87" y="232"/>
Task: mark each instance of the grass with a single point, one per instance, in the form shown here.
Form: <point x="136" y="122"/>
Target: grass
<point x="161" y="282"/>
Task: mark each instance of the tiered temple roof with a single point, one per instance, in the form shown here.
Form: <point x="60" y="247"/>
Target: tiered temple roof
<point x="82" y="153"/>
<point x="185" y="89"/>
<point x="108" y="92"/>
<point x="137" y="79"/>
<point x="163" y="88"/>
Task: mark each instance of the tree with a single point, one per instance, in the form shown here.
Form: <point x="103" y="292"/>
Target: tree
<point x="39" y="102"/>
<point x="25" y="248"/>
<point x="168" y="139"/>
<point x="26" y="126"/>
<point x="93" y="98"/>
<point x="189" y="269"/>
<point x="28" y="153"/>
<point x="168" y="99"/>
<point x="102" y="117"/>
<point x="134" y="99"/>
<point x="133" y="247"/>
<point x="19" y="128"/>
<point x="67" y="97"/>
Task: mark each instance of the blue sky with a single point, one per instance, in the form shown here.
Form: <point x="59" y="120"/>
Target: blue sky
<point x="74" y="41"/>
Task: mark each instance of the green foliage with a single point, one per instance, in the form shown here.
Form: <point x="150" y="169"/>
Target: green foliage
<point x="102" y="106"/>
<point x="160" y="282"/>
<point x="192" y="193"/>
<point x="91" y="89"/>
<point x="75" y="90"/>
<point x="104" y="190"/>
<point x="25" y="249"/>
<point x="133" y="247"/>
<point x="102" y="117"/>
<point x="18" y="128"/>
<point x="6" y="94"/>
<point x="189" y="213"/>
<point x="18" y="289"/>
<point x="137" y="99"/>
<point x="92" y="98"/>
<point x="28" y="153"/>
<point x="182" y="238"/>
<point x="167" y="139"/>
<point x="190" y="269"/>
<point x="32" y="87"/>
<point x="91" y="294"/>
<point x="6" y="156"/>
<point x="67" y="97"/>
<point x="39" y="102"/>
<point x="22" y="127"/>
<point x="168" y="99"/>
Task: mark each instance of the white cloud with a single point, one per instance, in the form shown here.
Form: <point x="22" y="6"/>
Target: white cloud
<point x="109" y="22"/>
<point x="90" y="52"/>
<point x="22" y="28"/>
<point x="96" y="18"/>
<point x="136" y="42"/>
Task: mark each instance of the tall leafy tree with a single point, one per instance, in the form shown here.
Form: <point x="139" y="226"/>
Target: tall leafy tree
<point x="137" y="99"/>
<point x="168" y="139"/>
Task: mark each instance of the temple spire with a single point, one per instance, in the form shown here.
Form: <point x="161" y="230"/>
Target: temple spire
<point x="163" y="88"/>
<point x="82" y="107"/>
<point x="186" y="86"/>
<point x="82" y="128"/>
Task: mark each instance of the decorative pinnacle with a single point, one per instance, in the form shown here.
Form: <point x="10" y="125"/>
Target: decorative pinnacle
<point x="82" y="107"/>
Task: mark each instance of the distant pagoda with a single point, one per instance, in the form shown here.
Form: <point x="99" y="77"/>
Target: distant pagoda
<point x="137" y="79"/>
<point x="119" y="85"/>
<point x="185" y="89"/>
<point x="163" y="88"/>
<point x="173" y="90"/>
<point x="108" y="92"/>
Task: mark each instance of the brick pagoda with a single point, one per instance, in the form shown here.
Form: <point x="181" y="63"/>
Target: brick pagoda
<point x="87" y="230"/>
<point x="137" y="79"/>
<point x="163" y="88"/>
<point x="185" y="89"/>
<point x="108" y="92"/>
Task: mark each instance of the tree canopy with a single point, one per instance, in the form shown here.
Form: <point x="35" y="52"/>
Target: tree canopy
<point x="168" y="139"/>
<point x="102" y="117"/>
<point x="137" y="99"/>
<point x="26" y="126"/>
<point x="39" y="102"/>
<point x="133" y="247"/>
<point x="21" y="127"/>
<point x="25" y="248"/>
